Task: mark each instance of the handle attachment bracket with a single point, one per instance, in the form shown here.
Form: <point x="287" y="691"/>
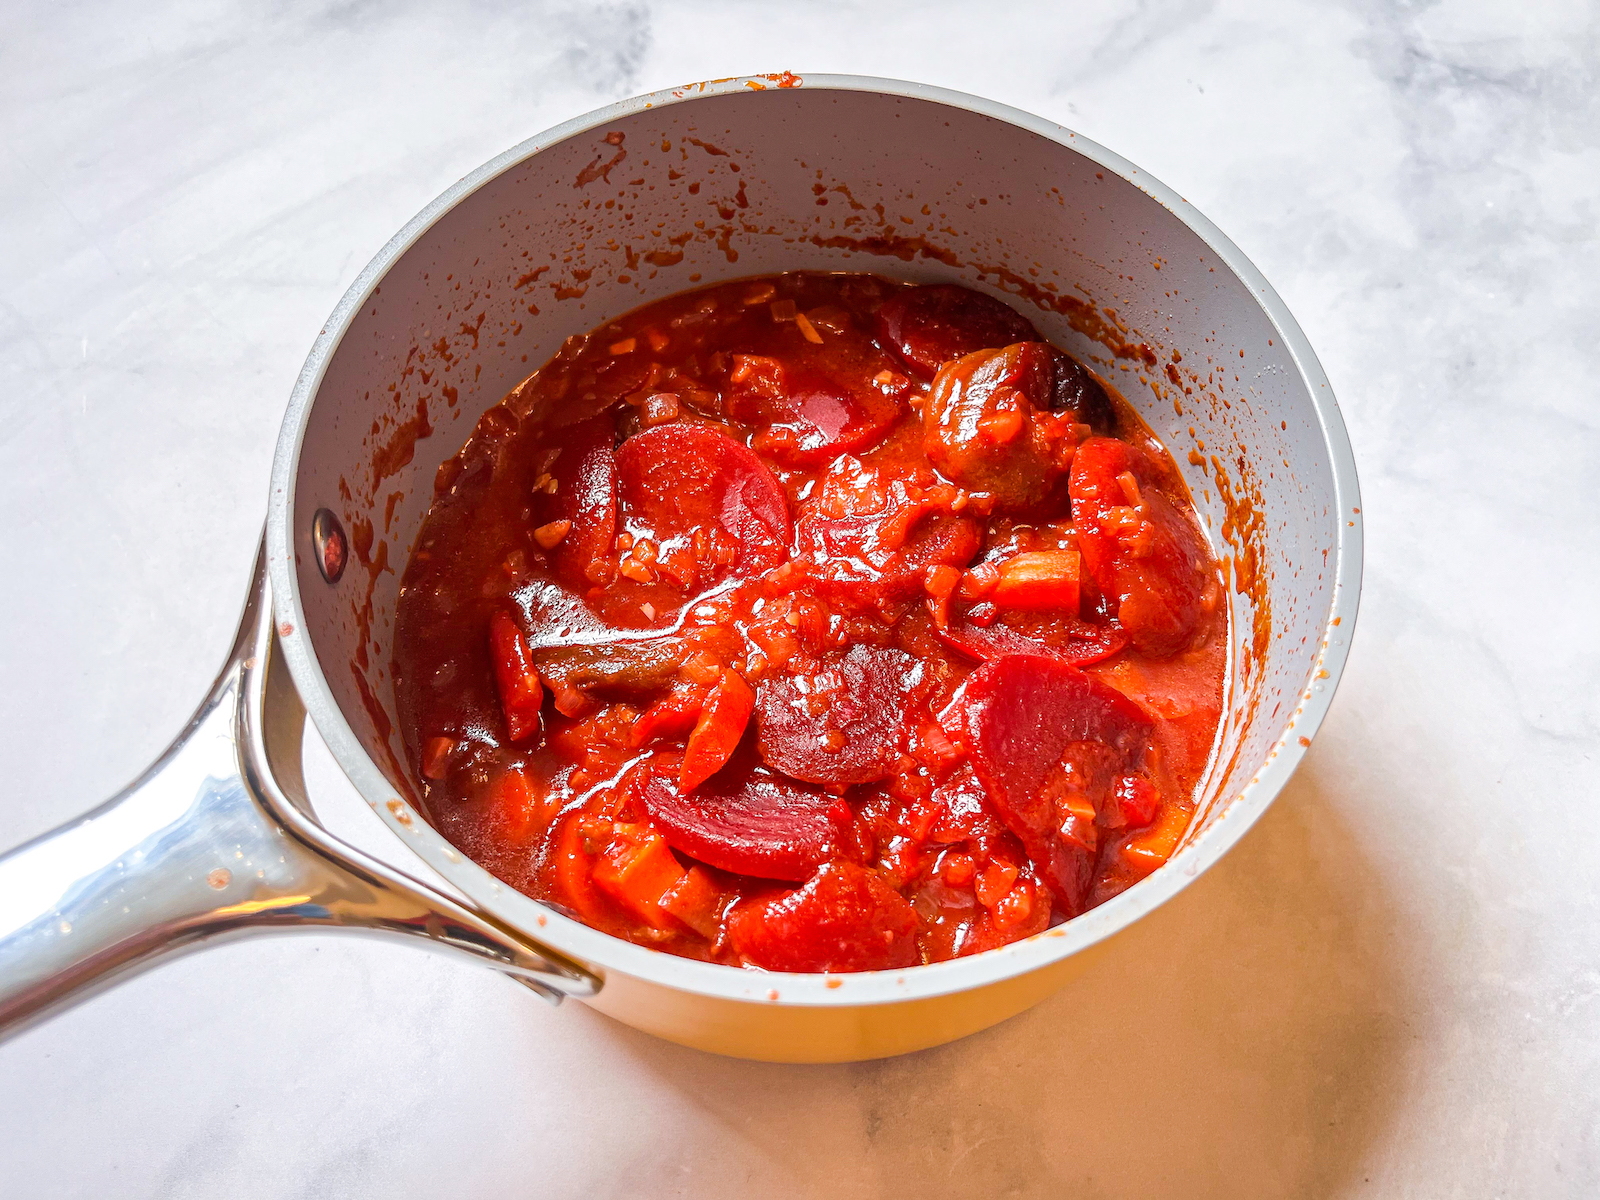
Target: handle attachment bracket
<point x="217" y="840"/>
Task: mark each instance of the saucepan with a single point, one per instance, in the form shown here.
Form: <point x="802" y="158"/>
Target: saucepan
<point x="632" y="202"/>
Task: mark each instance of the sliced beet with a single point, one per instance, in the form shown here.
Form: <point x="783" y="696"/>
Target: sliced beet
<point x="585" y="474"/>
<point x="677" y="479"/>
<point x="744" y="819"/>
<point x="1077" y="642"/>
<point x="847" y="918"/>
<point x="926" y="327"/>
<point x="1153" y="588"/>
<point x="885" y="563"/>
<point x="939" y="541"/>
<point x="1019" y="715"/>
<point x="849" y="724"/>
<point x="817" y="402"/>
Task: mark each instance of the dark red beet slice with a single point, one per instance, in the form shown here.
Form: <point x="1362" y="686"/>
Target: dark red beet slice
<point x="1083" y="643"/>
<point x="586" y="494"/>
<point x="848" y="918"/>
<point x="1154" y="589"/>
<point x="858" y="731"/>
<point x="885" y="565"/>
<point x="676" y="479"/>
<point x="744" y="819"/>
<point x="926" y="327"/>
<point x="940" y="541"/>
<point x="1079" y="393"/>
<point x="1019" y="715"/>
<point x="816" y="402"/>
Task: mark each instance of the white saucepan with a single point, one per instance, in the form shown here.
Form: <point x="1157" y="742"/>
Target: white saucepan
<point x="578" y="225"/>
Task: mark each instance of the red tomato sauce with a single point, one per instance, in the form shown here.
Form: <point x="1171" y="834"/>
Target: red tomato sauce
<point x="814" y="622"/>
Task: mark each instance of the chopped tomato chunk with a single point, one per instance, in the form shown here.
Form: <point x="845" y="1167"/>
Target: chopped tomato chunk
<point x="524" y="803"/>
<point x="1137" y="801"/>
<point x="717" y="730"/>
<point x="847" y="918"/>
<point x="994" y="881"/>
<point x="521" y="693"/>
<point x="1039" y="579"/>
<point x="697" y="901"/>
<point x="1146" y="558"/>
<point x="637" y="871"/>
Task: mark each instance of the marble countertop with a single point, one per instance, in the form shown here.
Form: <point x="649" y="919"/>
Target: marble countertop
<point x="1391" y="987"/>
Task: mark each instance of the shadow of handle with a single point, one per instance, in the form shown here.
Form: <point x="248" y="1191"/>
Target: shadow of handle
<point x="216" y="840"/>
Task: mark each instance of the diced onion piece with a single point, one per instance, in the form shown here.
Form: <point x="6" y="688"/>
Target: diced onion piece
<point x="1152" y="847"/>
<point x="1002" y="427"/>
<point x="807" y="329"/>
<point x="660" y="408"/>
<point x="1130" y="488"/>
<point x="550" y="536"/>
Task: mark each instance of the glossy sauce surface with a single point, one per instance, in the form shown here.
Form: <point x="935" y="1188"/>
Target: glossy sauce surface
<point x="812" y="622"/>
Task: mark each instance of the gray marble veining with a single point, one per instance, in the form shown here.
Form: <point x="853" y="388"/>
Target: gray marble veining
<point x="1392" y="987"/>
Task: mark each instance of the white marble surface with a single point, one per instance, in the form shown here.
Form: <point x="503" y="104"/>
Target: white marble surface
<point x="1390" y="988"/>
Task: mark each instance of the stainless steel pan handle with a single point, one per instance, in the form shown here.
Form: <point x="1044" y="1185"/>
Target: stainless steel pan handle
<point x="217" y="840"/>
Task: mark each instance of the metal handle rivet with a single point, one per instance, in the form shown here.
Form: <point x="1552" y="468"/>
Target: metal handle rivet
<point x="327" y="536"/>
